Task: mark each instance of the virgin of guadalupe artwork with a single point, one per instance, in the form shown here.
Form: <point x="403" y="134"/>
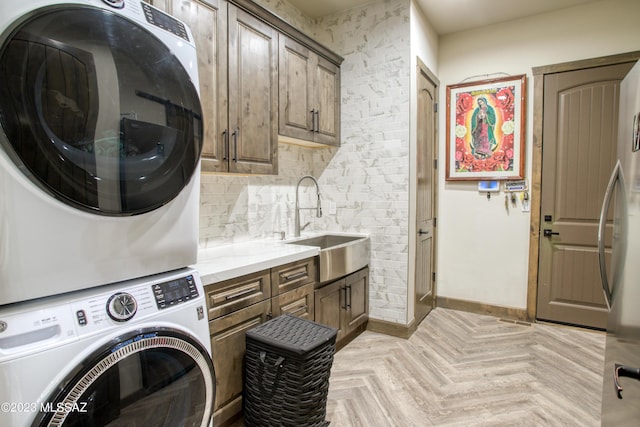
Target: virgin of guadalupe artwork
<point x="483" y="121"/>
<point x="485" y="129"/>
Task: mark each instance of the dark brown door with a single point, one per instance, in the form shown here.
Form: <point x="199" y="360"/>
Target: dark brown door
<point x="579" y="150"/>
<point x="426" y="194"/>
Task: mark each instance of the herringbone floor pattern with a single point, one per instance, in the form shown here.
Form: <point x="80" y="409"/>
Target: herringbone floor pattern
<point x="464" y="369"/>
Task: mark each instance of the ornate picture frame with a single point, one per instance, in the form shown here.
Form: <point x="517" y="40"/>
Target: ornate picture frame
<point x="486" y="129"/>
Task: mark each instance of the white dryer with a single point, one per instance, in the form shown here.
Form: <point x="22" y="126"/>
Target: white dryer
<point x="100" y="139"/>
<point x="135" y="353"/>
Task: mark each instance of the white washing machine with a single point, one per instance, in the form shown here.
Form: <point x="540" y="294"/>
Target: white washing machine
<point x="100" y="139"/>
<point x="135" y="353"/>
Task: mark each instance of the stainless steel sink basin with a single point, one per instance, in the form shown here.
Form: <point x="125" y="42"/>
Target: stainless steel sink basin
<point x="340" y="255"/>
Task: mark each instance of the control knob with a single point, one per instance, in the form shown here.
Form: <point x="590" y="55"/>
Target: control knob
<point x="121" y="306"/>
<point x="118" y="4"/>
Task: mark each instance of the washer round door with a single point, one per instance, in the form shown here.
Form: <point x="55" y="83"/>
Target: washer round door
<point x="97" y="111"/>
<point x="149" y="377"/>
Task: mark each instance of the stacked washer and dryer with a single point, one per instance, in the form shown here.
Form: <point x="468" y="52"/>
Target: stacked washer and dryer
<point x="101" y="320"/>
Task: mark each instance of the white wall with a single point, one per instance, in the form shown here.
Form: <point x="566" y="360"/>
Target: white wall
<point x="483" y="250"/>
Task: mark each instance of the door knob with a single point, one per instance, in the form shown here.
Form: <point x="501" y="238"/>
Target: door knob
<point x="548" y="233"/>
<point x="421" y="232"/>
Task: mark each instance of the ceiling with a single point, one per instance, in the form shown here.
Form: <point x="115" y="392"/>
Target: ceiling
<point x="450" y="16"/>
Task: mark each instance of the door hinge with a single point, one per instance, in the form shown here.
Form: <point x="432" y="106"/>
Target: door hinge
<point x="435" y="221"/>
<point x="433" y="276"/>
<point x="435" y="163"/>
<point x="435" y="107"/>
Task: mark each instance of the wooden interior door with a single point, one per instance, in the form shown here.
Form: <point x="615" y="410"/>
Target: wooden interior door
<point x="426" y="193"/>
<point x="580" y="123"/>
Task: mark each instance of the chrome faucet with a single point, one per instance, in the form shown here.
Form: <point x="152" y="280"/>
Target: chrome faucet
<point x="318" y="207"/>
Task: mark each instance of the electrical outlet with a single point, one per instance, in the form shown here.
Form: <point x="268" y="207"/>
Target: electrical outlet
<point x="332" y="207"/>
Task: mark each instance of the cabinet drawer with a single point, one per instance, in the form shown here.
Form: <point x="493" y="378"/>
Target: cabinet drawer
<point x="237" y="293"/>
<point x="298" y="302"/>
<point x="293" y="275"/>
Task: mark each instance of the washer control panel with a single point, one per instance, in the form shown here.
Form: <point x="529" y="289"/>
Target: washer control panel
<point x="51" y="321"/>
<point x="174" y="292"/>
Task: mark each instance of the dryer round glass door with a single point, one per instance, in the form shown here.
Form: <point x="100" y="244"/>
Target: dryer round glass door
<point x="152" y="377"/>
<point x="97" y="111"/>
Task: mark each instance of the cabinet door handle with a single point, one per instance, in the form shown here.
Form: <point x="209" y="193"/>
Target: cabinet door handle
<point x="313" y="120"/>
<point x="317" y="127"/>
<point x="235" y="135"/>
<point x="295" y="275"/>
<point x="344" y="300"/>
<point x="225" y="145"/>
<point x="348" y="287"/>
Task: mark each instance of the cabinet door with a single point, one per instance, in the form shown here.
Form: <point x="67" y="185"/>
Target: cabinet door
<point x="298" y="302"/>
<point x="253" y="94"/>
<point x="309" y="88"/>
<point x="228" y="348"/>
<point x="208" y="24"/>
<point x="295" y="76"/>
<point x="327" y="103"/>
<point x="330" y="305"/>
<point x="357" y="299"/>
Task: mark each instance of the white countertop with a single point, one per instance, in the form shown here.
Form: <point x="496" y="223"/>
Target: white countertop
<point x="235" y="260"/>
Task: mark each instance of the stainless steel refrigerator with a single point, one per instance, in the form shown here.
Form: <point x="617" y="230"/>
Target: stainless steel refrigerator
<point x="620" y="266"/>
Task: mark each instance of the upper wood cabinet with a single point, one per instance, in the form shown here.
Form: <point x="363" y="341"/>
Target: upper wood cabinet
<point x="253" y="95"/>
<point x="259" y="76"/>
<point x="238" y="72"/>
<point x="309" y="95"/>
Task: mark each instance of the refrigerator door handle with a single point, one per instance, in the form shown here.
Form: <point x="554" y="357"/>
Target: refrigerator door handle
<point x="615" y="178"/>
<point x="623" y="371"/>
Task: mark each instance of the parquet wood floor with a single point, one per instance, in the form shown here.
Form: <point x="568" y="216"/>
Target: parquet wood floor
<point x="464" y="369"/>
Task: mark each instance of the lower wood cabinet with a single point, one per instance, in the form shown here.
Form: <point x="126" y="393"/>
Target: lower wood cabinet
<point x="237" y="305"/>
<point x="344" y="304"/>
<point x="228" y="348"/>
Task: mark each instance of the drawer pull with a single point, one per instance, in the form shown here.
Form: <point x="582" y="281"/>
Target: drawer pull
<point x="295" y="275"/>
<point x="303" y="309"/>
<point x="239" y="294"/>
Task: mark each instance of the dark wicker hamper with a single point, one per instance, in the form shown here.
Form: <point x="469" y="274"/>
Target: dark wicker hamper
<point x="287" y="367"/>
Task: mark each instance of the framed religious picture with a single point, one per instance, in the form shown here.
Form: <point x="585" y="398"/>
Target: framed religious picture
<point x="485" y="129"/>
